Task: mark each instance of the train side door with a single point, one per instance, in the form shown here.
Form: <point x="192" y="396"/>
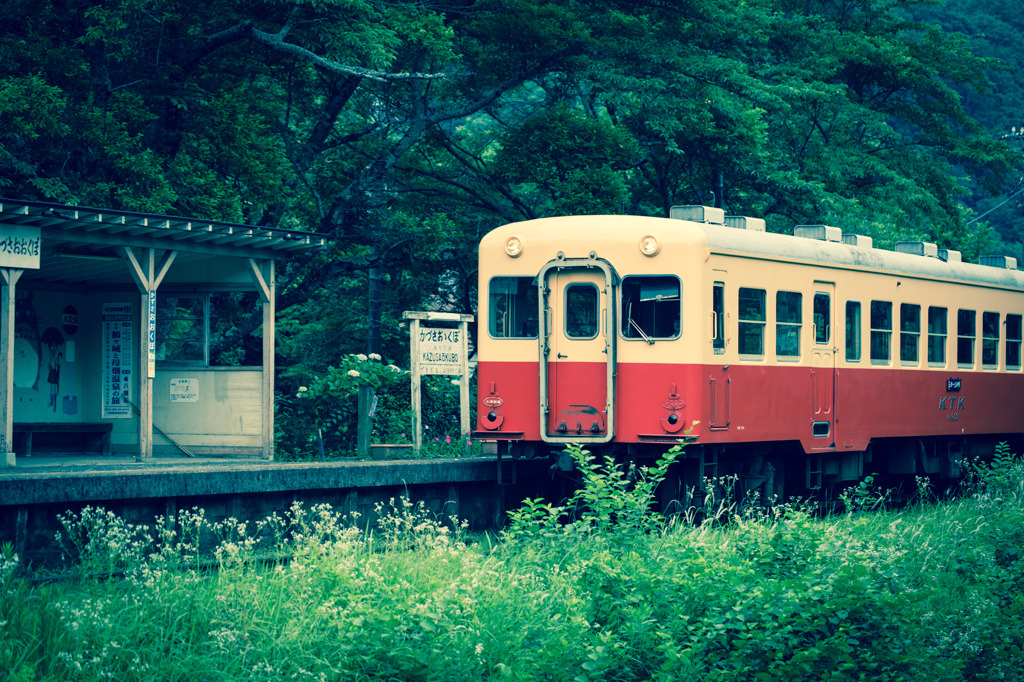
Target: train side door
<point x="823" y="372"/>
<point x="577" y="351"/>
<point x="719" y="382"/>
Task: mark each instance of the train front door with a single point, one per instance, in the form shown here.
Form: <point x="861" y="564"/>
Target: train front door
<point x="823" y="371"/>
<point x="577" y="350"/>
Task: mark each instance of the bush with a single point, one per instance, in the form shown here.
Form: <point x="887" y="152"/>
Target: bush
<point x="328" y="408"/>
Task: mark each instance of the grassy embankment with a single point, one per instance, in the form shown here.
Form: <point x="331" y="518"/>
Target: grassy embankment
<point x="932" y="592"/>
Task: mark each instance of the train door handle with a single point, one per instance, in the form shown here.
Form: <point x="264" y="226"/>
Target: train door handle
<point x="560" y="356"/>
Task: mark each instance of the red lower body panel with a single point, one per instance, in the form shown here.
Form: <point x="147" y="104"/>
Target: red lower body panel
<point x="758" y="403"/>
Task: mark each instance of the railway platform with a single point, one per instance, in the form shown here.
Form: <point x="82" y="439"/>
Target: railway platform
<point x="39" y="488"/>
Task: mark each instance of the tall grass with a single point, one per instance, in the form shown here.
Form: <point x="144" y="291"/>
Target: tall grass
<point x="599" y="589"/>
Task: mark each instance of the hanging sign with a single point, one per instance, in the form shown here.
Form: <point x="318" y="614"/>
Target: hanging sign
<point x="20" y="246"/>
<point x="69" y="320"/>
<point x="151" y="331"/>
<point x="117" y="360"/>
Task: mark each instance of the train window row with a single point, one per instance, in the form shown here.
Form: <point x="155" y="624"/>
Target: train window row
<point x="651" y="309"/>
<point x="910" y="331"/>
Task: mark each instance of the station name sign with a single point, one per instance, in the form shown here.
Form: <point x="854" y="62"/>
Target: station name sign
<point x="20" y="246"/>
<point x="440" y="350"/>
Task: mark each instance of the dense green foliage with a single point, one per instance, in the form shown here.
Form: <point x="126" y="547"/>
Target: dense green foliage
<point x="326" y="409"/>
<point x="408" y="129"/>
<point x="600" y="589"/>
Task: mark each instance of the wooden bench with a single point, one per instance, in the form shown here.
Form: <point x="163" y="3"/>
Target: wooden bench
<point x="102" y="429"/>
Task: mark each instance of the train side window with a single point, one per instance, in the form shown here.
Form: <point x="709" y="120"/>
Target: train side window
<point x="788" y="320"/>
<point x="514" y="311"/>
<point x="990" y="340"/>
<point x="966" y="332"/>
<point x="651" y="307"/>
<point x="910" y="332"/>
<point x="718" y="317"/>
<point x="1013" y="341"/>
<point x="752" y="319"/>
<point x="822" y="317"/>
<point x="937" y="335"/>
<point x="881" y="332"/>
<point x="853" y="331"/>
<point x="581" y="311"/>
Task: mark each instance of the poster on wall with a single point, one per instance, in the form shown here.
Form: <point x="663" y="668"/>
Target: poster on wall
<point x="117" y="360"/>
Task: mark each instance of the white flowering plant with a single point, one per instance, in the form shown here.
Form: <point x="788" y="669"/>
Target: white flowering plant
<point x="327" y="408"/>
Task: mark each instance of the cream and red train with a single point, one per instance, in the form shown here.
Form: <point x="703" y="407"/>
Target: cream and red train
<point x="808" y="359"/>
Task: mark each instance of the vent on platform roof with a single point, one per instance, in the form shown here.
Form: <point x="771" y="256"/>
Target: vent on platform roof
<point x="949" y="255"/>
<point x="1004" y="262"/>
<point x="918" y="248"/>
<point x="698" y="214"/>
<point x="823" y="233"/>
<point x="745" y="223"/>
<point x="861" y="240"/>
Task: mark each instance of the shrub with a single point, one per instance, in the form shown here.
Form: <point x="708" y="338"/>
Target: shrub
<point x="328" y="409"/>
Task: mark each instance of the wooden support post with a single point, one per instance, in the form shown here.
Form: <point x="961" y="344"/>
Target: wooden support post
<point x="7" y="295"/>
<point x="264" y="277"/>
<point x="147" y="276"/>
<point x="414" y="352"/>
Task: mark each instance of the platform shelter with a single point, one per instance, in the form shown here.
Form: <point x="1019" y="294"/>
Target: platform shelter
<point x="113" y="329"/>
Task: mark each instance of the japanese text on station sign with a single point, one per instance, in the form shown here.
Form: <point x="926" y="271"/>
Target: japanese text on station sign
<point x="440" y="351"/>
<point x="20" y="246"/>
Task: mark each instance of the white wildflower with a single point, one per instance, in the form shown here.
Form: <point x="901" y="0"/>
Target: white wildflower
<point x="374" y="356"/>
<point x="353" y="373"/>
<point x="361" y="358"/>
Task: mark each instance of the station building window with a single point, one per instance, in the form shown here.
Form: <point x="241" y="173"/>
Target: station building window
<point x="201" y="329"/>
<point x="513" y="308"/>
<point x="651" y="307"/>
<point x="788" y="320"/>
<point x="752" y="319"/>
<point x="966" y="332"/>
<point x="881" y="332"/>
<point x="1013" y="341"/>
<point x="937" y="330"/>
<point x="853" y="331"/>
<point x="910" y="332"/>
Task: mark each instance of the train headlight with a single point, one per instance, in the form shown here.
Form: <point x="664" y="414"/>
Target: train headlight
<point x="514" y="247"/>
<point x="649" y="246"/>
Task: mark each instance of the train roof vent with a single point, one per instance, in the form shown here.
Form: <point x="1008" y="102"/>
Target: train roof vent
<point x="950" y="256"/>
<point x="918" y="248"/>
<point x="745" y="223"/>
<point x="823" y="233"/>
<point x="861" y="240"/>
<point x="1005" y="262"/>
<point x="698" y="214"/>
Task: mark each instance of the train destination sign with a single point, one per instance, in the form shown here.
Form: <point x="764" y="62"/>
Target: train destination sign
<point x="20" y="246"/>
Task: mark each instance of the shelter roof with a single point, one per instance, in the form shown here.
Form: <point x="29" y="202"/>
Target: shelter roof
<point x="85" y="244"/>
